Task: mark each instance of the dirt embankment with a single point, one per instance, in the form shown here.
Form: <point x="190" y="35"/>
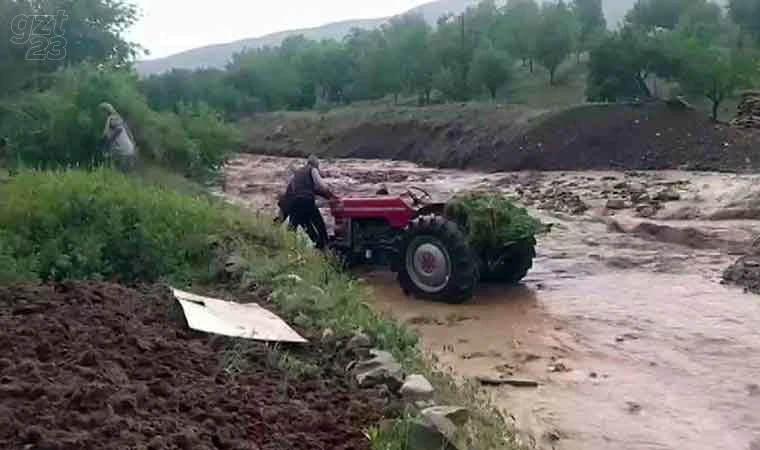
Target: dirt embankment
<point x="650" y="136"/>
<point x="99" y="366"/>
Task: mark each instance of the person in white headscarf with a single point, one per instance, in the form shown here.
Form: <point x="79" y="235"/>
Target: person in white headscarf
<point x="118" y="140"/>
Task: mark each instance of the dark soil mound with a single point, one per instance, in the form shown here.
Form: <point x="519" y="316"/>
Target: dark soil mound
<point x="635" y="137"/>
<point x="99" y="366"/>
<point x="640" y="137"/>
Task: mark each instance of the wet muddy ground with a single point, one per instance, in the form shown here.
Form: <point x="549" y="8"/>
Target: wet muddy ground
<point x="89" y="365"/>
<point x="623" y="322"/>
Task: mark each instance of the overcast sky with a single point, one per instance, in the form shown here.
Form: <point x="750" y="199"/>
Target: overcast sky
<point x="171" y="26"/>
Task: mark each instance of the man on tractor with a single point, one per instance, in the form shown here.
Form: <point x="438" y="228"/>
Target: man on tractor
<point x="299" y="202"/>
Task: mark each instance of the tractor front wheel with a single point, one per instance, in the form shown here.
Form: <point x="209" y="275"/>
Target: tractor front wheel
<point x="435" y="261"/>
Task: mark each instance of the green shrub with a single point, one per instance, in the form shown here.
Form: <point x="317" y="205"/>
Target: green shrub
<point x="491" y="220"/>
<point x="102" y="224"/>
<point x="212" y="138"/>
<point x="47" y="129"/>
<point x="62" y="126"/>
<point x="12" y="268"/>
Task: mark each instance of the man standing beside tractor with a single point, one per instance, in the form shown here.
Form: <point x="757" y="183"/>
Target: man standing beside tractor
<point x="438" y="251"/>
<point x="299" y="202"/>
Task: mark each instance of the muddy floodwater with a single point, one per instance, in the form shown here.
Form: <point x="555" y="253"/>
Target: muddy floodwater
<point x="623" y="321"/>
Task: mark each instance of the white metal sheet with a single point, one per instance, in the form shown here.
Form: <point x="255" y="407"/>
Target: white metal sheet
<point x="247" y="321"/>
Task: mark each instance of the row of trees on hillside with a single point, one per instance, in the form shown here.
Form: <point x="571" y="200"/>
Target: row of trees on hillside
<point x="696" y="45"/>
<point x="692" y="42"/>
<point x="461" y="57"/>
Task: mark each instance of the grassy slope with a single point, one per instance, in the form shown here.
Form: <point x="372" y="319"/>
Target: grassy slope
<point x="569" y="90"/>
<point x="533" y="89"/>
<point x="72" y="214"/>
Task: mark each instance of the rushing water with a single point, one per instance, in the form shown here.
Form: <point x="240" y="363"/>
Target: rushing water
<point x="629" y="360"/>
<point x="633" y="341"/>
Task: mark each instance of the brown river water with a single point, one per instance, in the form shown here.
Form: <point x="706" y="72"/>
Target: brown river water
<point x="634" y="342"/>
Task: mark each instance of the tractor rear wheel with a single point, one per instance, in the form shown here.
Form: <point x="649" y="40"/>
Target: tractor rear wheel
<point x="435" y="261"/>
<point x="511" y="266"/>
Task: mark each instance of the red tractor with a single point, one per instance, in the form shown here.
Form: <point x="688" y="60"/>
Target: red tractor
<point x="428" y="251"/>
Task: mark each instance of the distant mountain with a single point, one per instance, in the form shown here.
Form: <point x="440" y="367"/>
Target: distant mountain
<point x="218" y="55"/>
<point x="434" y="10"/>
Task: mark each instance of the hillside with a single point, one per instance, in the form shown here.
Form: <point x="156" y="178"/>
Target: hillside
<point x="218" y="55"/>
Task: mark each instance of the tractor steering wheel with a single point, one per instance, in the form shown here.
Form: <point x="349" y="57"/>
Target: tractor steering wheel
<point x="417" y="200"/>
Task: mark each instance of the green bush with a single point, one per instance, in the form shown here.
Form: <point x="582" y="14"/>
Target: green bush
<point x="103" y="225"/>
<point x="491" y="220"/>
<point x="12" y="268"/>
<point x="61" y="126"/>
<point x="47" y="129"/>
<point x="212" y="138"/>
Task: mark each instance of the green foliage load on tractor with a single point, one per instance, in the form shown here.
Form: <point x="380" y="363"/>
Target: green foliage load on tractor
<point x="501" y="234"/>
<point x="491" y="220"/>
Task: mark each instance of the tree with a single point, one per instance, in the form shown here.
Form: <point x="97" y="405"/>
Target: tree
<point x="371" y="78"/>
<point x="16" y="69"/>
<point x="651" y="14"/>
<point x="328" y="67"/>
<point x="703" y="21"/>
<point x="714" y="72"/>
<point x="483" y="22"/>
<point x="88" y="30"/>
<point x="615" y="70"/>
<point x="491" y="68"/>
<point x="94" y="29"/>
<point x="555" y="37"/>
<point x="591" y="23"/>
<point x="519" y="28"/>
<point x="746" y="14"/>
<point x="264" y="74"/>
<point x="445" y="81"/>
<point x="179" y="86"/>
<point x="453" y="48"/>
<point x="411" y="63"/>
<point x="623" y="63"/>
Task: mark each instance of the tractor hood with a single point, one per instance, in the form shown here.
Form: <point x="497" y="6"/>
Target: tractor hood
<point x="395" y="210"/>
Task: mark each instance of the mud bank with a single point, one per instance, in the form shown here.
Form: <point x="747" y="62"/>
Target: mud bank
<point x="595" y="137"/>
<point x="99" y="366"/>
<point x="626" y="330"/>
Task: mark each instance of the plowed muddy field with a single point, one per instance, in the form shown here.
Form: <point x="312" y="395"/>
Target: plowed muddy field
<point x="624" y="324"/>
<point x="92" y="366"/>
